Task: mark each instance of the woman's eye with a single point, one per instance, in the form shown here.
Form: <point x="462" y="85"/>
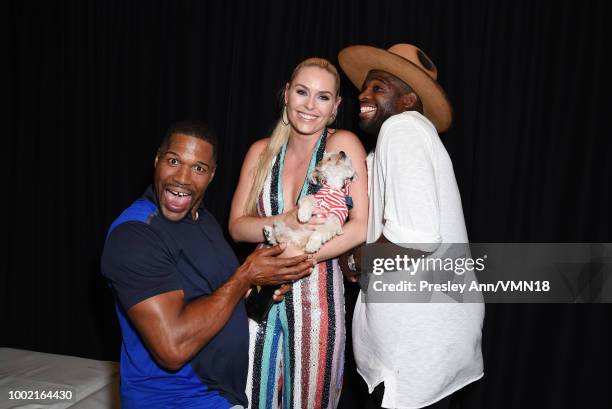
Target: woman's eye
<point x="324" y="97"/>
<point x="301" y="92"/>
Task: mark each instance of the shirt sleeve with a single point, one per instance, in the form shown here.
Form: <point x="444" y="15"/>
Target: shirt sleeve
<point x="412" y="212"/>
<point x="138" y="264"/>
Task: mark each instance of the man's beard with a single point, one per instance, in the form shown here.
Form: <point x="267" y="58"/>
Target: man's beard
<point x="372" y="127"/>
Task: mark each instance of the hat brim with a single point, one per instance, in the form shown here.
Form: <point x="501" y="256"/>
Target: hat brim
<point x="358" y="60"/>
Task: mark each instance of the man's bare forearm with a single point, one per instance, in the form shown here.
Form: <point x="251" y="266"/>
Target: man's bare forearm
<point x="200" y="320"/>
<point x="175" y="330"/>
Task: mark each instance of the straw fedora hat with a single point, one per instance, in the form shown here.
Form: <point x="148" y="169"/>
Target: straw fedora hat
<point x="409" y="64"/>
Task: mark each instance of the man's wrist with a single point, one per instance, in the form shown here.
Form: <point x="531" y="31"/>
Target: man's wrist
<point x="241" y="278"/>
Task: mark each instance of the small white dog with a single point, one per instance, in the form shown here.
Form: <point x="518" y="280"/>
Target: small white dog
<point x="333" y="173"/>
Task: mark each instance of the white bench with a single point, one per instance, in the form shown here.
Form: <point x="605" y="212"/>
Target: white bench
<point x="93" y="384"/>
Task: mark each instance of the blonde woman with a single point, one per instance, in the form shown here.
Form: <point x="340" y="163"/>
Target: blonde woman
<point x="297" y="354"/>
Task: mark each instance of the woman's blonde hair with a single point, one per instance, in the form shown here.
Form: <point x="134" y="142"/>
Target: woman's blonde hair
<point x="279" y="137"/>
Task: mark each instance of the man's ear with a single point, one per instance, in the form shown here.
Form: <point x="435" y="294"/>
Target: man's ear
<point x="409" y="100"/>
<point x="156" y="159"/>
<point x="212" y="174"/>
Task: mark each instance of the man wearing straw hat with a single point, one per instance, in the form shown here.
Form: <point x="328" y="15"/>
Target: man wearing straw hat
<point x="411" y="355"/>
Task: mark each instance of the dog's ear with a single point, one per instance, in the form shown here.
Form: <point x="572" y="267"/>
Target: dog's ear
<point x="350" y="168"/>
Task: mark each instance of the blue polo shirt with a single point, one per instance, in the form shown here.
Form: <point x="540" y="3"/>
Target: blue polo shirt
<point x="146" y="255"/>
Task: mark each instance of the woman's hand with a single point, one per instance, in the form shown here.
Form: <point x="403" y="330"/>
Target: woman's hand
<point x="279" y="293"/>
<point x="318" y="217"/>
<point x="291" y="251"/>
<point x="291" y="220"/>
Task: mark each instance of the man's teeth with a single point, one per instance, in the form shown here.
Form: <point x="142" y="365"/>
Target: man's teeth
<point x="367" y="109"/>
<point x="179" y="194"/>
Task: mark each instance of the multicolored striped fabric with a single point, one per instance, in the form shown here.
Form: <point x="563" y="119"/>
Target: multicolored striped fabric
<point x="296" y="356"/>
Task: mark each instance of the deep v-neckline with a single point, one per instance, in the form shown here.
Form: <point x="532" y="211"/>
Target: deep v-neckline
<point x="305" y="183"/>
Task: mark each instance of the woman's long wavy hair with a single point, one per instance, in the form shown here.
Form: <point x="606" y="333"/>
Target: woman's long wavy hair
<point x="279" y="136"/>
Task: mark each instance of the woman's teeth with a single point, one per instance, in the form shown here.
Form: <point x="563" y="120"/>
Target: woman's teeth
<point x="307" y="116"/>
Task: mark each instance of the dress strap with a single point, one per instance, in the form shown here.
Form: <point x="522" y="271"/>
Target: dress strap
<point x="279" y="177"/>
<point x="317" y="154"/>
<point x="307" y="187"/>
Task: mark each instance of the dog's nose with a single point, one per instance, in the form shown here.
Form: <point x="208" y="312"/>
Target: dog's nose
<point x="342" y="155"/>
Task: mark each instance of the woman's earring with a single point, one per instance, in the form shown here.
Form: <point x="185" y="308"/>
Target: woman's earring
<point x="284" y="117"/>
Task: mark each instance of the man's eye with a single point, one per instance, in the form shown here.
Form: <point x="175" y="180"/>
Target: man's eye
<point x="173" y="161"/>
<point x="376" y="88"/>
<point x="200" y="169"/>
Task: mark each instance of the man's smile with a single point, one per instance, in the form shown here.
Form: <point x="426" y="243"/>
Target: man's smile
<point x="177" y="200"/>
<point x="177" y="193"/>
<point x="367" y="111"/>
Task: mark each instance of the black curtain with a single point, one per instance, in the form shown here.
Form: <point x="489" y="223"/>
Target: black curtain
<point x="91" y="86"/>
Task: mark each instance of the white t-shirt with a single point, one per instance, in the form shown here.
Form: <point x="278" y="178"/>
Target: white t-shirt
<point x="421" y="351"/>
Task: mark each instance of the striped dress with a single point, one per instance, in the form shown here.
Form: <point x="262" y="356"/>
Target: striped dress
<point x="296" y="356"/>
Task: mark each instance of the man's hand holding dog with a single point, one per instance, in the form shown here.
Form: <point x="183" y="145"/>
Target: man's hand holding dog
<point x="263" y="267"/>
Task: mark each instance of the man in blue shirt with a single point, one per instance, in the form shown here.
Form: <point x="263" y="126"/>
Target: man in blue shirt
<point x="178" y="286"/>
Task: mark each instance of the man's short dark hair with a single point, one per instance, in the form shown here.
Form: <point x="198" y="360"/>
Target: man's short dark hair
<point x="195" y="128"/>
